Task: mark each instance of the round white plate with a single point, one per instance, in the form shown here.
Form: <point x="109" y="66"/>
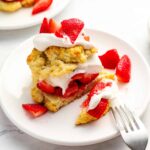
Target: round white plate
<point x="59" y="127"/>
<point x="23" y="18"/>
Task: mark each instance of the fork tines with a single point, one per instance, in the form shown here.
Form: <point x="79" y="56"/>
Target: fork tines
<point x="125" y="118"/>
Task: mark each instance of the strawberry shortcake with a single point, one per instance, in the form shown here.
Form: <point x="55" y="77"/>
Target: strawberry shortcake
<point x="65" y="65"/>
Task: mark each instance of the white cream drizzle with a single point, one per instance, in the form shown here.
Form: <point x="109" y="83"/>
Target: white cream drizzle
<point x="92" y="65"/>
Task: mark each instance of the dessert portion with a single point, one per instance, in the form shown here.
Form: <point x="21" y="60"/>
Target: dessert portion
<point x="63" y="68"/>
<point x="65" y="65"/>
<point x="14" y="5"/>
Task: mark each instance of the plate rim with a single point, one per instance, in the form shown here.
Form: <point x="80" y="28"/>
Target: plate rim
<point x="61" y="142"/>
<point x="2" y="27"/>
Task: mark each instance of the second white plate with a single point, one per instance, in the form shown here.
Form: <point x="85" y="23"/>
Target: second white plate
<point x="59" y="127"/>
<point x="23" y="17"/>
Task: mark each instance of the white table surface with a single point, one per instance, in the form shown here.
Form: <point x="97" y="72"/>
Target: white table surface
<point x="124" y="18"/>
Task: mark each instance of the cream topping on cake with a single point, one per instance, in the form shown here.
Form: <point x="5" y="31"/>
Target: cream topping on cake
<point x="44" y="40"/>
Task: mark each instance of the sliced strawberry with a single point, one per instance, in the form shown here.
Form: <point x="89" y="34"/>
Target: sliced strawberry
<point x="35" y="110"/>
<point x="123" y="70"/>
<point x="58" y="91"/>
<point x="41" y="5"/>
<point x="53" y="26"/>
<point x="82" y="87"/>
<point x="98" y="87"/>
<point x="85" y="78"/>
<point x="45" y="87"/>
<point x="100" y="109"/>
<point x="72" y="28"/>
<point x="44" y="26"/>
<point x="58" y="34"/>
<point x="71" y="90"/>
<point x="86" y="102"/>
<point x="110" y="59"/>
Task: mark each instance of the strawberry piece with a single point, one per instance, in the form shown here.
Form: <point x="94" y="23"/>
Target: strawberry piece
<point x="45" y="87"/>
<point x="85" y="78"/>
<point x="58" y="91"/>
<point x="50" y="27"/>
<point x="86" y="102"/>
<point x="58" y="34"/>
<point x="53" y="26"/>
<point x="71" y="90"/>
<point x="35" y="110"/>
<point x="41" y="5"/>
<point x="98" y="87"/>
<point x="100" y="109"/>
<point x="44" y="26"/>
<point x="72" y="28"/>
<point x="123" y="70"/>
<point x="110" y="59"/>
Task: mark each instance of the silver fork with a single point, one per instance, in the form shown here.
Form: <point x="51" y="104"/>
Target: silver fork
<point x="131" y="127"/>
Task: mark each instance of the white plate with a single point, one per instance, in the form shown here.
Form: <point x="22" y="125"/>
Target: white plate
<point x="23" y="17"/>
<point x="59" y="127"/>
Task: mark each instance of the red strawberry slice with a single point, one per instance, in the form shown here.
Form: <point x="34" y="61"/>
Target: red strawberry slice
<point x="45" y="87"/>
<point x="35" y="110"/>
<point x="71" y="90"/>
<point x="110" y="59"/>
<point x="100" y="109"/>
<point x="50" y="26"/>
<point x="86" y="102"/>
<point x="85" y="78"/>
<point x="123" y="70"/>
<point x="41" y="5"/>
<point x="58" y="91"/>
<point x="72" y="28"/>
<point x="59" y="32"/>
<point x="53" y="26"/>
<point x="98" y="87"/>
<point x="44" y="26"/>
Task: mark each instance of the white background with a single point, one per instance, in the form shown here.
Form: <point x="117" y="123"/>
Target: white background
<point x="125" y="18"/>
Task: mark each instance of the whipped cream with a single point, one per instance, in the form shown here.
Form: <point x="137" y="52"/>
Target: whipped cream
<point x="109" y="92"/>
<point x="92" y="65"/>
<point x="44" y="40"/>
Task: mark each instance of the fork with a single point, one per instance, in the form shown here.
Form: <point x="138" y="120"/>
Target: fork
<point x="130" y="126"/>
